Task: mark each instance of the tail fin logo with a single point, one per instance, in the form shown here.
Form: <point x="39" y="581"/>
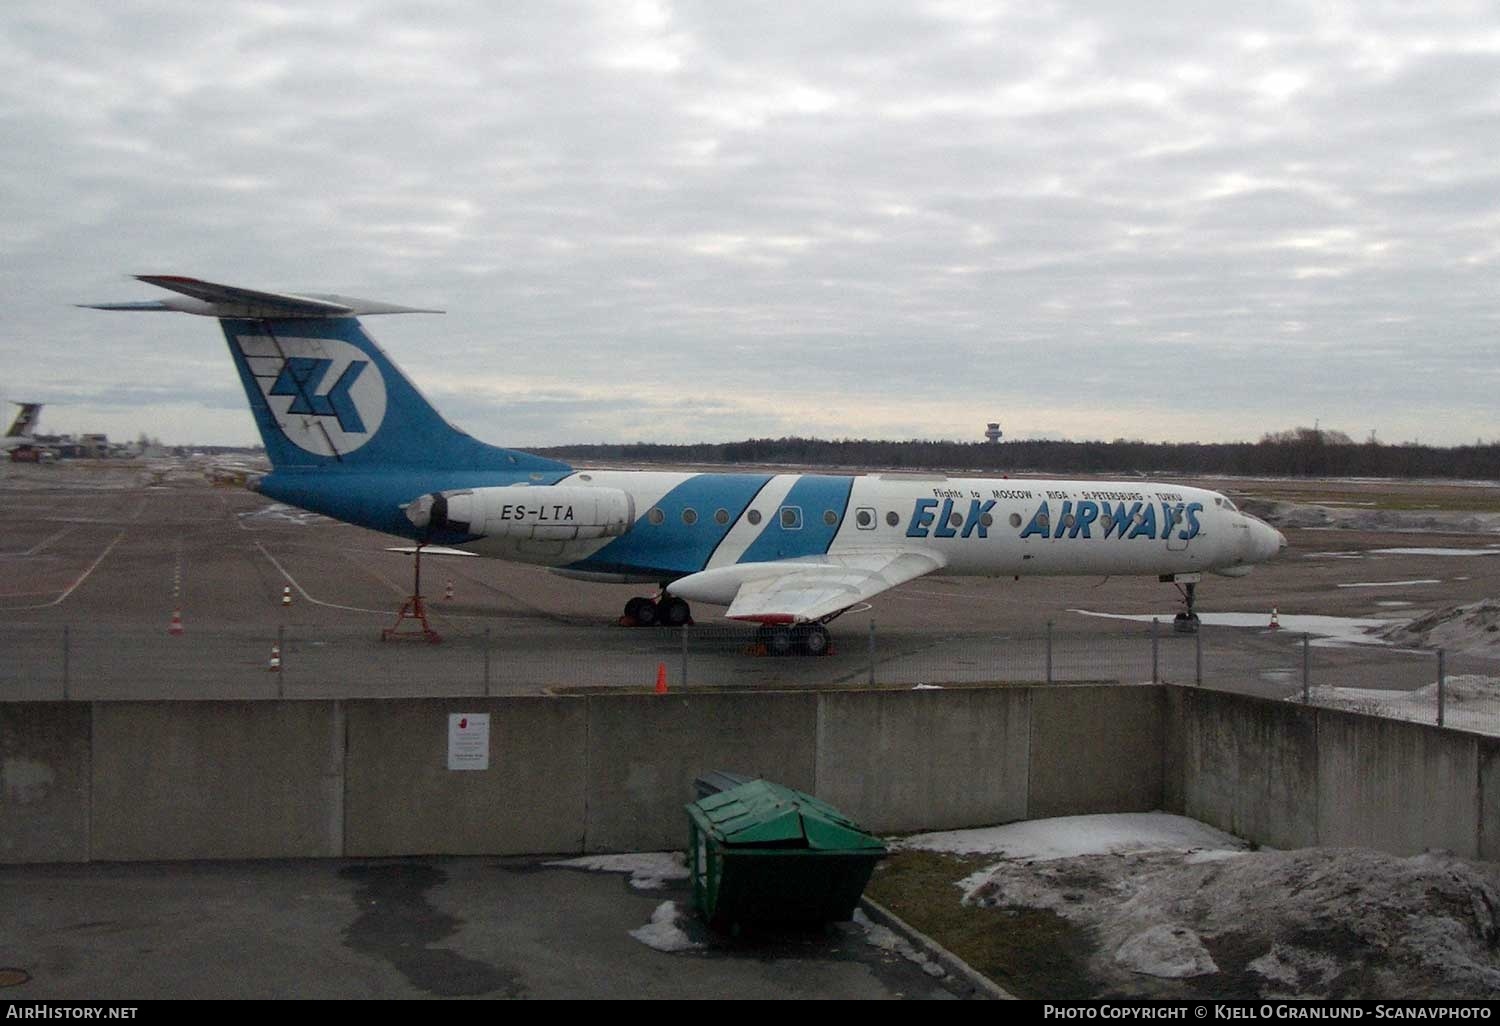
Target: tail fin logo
<point x="326" y="395"/>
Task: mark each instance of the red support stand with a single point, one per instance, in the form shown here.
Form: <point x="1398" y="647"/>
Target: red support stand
<point x="413" y="610"/>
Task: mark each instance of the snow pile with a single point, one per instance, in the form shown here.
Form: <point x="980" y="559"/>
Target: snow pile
<point x="665" y="932"/>
<point x="649" y="871"/>
<point x="1305" y="515"/>
<point x="1472" y="628"/>
<point x="1042" y="840"/>
<point x="1314" y="923"/>
<point x="1470" y="702"/>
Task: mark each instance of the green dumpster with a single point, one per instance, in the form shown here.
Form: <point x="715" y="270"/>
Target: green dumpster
<point x="761" y="852"/>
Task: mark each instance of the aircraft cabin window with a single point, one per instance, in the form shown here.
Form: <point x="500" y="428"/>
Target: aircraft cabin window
<point x="791" y="518"/>
<point x="1015" y="520"/>
<point x="893" y="518"/>
<point x="656" y="516"/>
<point x="987" y="520"/>
<point x="830" y="517"/>
<point x="1043" y="520"/>
<point x="1069" y="520"/>
<point x="753" y="516"/>
<point x="956" y="520"/>
<point x="585" y="477"/>
<point x="864" y="519"/>
<point x="721" y="516"/>
<point x="690" y="516"/>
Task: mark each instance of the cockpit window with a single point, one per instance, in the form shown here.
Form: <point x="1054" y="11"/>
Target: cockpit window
<point x="1230" y="506"/>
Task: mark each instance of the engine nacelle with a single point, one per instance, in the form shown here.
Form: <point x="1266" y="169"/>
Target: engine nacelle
<point x="527" y="512"/>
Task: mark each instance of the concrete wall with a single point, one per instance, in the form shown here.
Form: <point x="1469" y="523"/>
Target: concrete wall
<point x="44" y="782"/>
<point x="217" y="780"/>
<point x="1294" y="776"/>
<point x="925" y="760"/>
<point x="1399" y="787"/>
<point x="1095" y="748"/>
<point x="1246" y="766"/>
<point x="180" y="780"/>
<point x="401" y="798"/>
<point x="1487" y="754"/>
<point x="644" y="751"/>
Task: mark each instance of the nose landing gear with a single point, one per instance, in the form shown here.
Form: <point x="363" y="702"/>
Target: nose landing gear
<point x="1185" y="622"/>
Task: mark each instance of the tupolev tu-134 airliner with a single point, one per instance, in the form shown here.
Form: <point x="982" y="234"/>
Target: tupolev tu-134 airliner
<point x="350" y="437"/>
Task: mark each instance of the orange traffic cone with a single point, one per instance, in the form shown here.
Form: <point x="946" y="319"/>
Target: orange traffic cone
<point x="175" y="627"/>
<point x="448" y="593"/>
<point x="661" y="678"/>
<point x="1275" y="622"/>
<point x="286" y="595"/>
<point x="275" y="666"/>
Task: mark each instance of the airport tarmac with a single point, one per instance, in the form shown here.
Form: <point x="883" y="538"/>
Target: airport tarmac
<point x="99" y="556"/>
<point x="408" y="928"/>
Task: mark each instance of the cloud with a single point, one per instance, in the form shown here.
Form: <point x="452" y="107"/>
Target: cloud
<point x="905" y="218"/>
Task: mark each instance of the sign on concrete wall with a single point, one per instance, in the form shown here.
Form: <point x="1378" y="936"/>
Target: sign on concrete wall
<point x="468" y="741"/>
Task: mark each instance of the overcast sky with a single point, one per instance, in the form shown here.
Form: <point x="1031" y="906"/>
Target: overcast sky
<point x="707" y="221"/>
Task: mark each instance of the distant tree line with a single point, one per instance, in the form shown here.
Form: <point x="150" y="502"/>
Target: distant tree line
<point x="1301" y="452"/>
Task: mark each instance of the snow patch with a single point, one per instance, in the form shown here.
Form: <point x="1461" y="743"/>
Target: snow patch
<point x="1171" y="952"/>
<point x="886" y="939"/>
<point x="1438" y="552"/>
<point x="664" y="932"/>
<point x="1294" y="968"/>
<point x="648" y="871"/>
<point x="1330" y="630"/>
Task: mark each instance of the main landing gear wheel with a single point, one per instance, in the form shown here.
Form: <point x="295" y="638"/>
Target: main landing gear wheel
<point x="806" y="639"/>
<point x="642" y="610"/>
<point x="669" y="611"/>
<point x="778" y="640"/>
<point x="673" y="612"/>
<point x="811" y="639"/>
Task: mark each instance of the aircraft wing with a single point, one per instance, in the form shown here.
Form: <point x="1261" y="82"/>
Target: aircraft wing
<point x="806" y="590"/>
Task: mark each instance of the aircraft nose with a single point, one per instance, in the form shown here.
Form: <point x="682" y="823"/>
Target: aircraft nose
<point x="1264" y="541"/>
<point x="1269" y="542"/>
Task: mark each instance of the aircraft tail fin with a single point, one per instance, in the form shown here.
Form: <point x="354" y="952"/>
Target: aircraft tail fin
<point x="25" y="423"/>
<point x="323" y="394"/>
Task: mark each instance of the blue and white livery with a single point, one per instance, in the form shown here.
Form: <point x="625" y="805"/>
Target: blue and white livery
<point x="350" y="437"/>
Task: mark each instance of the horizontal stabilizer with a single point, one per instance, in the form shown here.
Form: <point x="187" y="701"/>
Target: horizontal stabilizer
<point x="209" y="299"/>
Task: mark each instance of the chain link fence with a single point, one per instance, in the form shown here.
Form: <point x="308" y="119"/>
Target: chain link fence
<point x="44" y="662"/>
